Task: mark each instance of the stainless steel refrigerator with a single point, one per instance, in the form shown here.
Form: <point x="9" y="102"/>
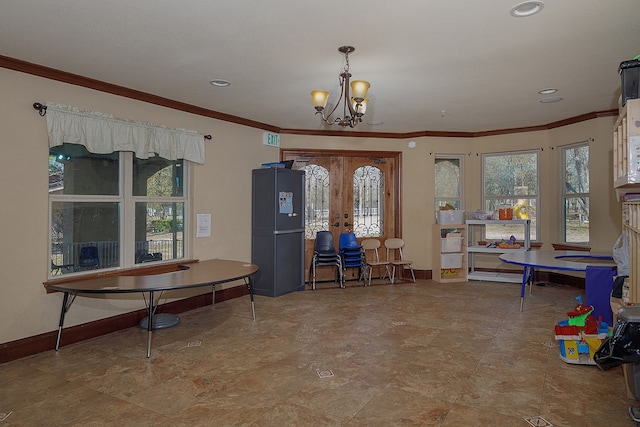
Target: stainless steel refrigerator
<point x="277" y="230"/>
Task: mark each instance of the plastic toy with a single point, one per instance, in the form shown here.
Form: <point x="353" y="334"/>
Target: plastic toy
<point x="580" y="335"/>
<point x="522" y="210"/>
<point x="505" y="244"/>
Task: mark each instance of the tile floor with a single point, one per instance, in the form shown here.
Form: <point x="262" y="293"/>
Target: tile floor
<point x="424" y="354"/>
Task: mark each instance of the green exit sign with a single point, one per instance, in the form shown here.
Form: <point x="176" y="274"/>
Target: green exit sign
<point x="272" y="139"/>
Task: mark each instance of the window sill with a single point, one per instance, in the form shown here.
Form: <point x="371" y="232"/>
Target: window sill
<point x="534" y="245"/>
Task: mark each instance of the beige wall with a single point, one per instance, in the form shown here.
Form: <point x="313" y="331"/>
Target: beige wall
<point x="222" y="188"/>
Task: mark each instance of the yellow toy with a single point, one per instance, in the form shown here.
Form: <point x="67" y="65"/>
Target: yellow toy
<point x="521" y="209"/>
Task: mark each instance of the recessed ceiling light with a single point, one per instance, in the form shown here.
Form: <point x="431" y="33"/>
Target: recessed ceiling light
<point x="548" y="91"/>
<point x="526" y="8"/>
<point x="220" y="83"/>
<point x="551" y="99"/>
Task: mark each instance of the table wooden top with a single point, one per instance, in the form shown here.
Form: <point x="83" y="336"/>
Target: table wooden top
<point x="558" y="260"/>
<point x="191" y="275"/>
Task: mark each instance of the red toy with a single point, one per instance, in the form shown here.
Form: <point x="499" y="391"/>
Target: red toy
<point x="580" y="321"/>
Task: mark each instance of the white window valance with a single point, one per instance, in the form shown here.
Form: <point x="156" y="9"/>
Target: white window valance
<point x="102" y="134"/>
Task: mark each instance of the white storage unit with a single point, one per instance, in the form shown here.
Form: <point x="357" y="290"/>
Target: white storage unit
<point x="451" y="244"/>
<point x="451" y="217"/>
<point x="474" y="229"/>
<point x="448" y="253"/>
<point x="626" y="149"/>
<point x="626" y="180"/>
<point x="631" y="228"/>
<point x="451" y="261"/>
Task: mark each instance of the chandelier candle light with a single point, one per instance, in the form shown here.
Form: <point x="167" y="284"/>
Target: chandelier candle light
<point x="354" y="105"/>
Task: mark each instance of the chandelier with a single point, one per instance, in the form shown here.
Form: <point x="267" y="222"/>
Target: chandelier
<point x="354" y="105"/>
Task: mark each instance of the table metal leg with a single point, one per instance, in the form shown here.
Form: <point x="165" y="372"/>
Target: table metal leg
<point x="527" y="278"/>
<point x="62" y="313"/>
<point x="66" y="304"/>
<point x="249" y="282"/>
<point x="213" y="295"/>
<point x="151" y="309"/>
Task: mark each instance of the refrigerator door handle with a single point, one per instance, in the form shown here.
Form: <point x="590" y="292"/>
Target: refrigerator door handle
<point x="293" y="230"/>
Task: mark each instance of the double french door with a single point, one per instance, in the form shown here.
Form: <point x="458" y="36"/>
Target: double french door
<point x="348" y="191"/>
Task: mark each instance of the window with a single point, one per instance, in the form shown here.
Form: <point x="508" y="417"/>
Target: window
<point x="448" y="181"/>
<point x="113" y="210"/>
<point x="575" y="193"/>
<point x="511" y="179"/>
<point x="317" y="200"/>
<point x="368" y="201"/>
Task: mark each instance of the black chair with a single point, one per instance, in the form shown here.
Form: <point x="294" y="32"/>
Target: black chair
<point x="88" y="258"/>
<point x="325" y="254"/>
<point x="61" y="268"/>
<point x="351" y="254"/>
<point x="143" y="256"/>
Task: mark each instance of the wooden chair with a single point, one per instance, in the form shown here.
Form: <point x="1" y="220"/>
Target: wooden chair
<point x="396" y="258"/>
<point x="372" y="259"/>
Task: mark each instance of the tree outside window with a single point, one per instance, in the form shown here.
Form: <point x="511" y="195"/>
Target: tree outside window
<point x="511" y="180"/>
<point x="575" y="193"/>
<point x="448" y="181"/>
<point x="93" y="197"/>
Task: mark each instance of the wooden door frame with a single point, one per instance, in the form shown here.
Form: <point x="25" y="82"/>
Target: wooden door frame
<point x="397" y="179"/>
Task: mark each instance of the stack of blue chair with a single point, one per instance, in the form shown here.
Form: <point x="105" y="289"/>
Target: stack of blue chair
<point x="351" y="254"/>
<point x="325" y="254"/>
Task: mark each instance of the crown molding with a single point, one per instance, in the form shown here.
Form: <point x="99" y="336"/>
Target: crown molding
<point x="74" y="79"/>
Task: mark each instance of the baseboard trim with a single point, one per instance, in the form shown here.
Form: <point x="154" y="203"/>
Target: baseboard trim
<point x="24" y="347"/>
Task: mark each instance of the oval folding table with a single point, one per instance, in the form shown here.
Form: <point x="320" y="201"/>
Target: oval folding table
<point x="553" y="260"/>
<point x="183" y="276"/>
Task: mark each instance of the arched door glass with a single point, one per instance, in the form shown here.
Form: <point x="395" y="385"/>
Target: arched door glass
<point x="368" y="202"/>
<point x="317" y="200"/>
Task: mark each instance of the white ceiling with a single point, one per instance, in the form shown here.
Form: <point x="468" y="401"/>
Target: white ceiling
<point x="468" y="58"/>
